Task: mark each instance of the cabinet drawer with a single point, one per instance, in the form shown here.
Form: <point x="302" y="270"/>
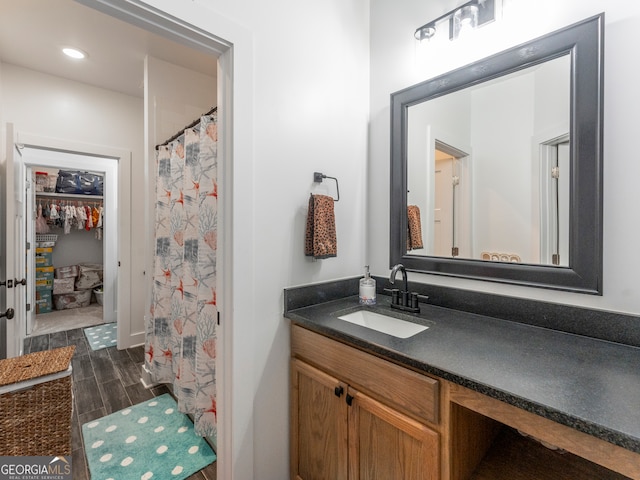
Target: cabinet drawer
<point x="404" y="389"/>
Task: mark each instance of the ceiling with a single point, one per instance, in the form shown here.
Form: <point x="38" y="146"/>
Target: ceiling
<point x="32" y="33"/>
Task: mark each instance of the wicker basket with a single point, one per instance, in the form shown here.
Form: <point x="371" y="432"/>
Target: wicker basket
<point x="36" y="404"/>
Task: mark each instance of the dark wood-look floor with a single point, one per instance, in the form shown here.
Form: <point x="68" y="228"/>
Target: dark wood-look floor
<point x="104" y="381"/>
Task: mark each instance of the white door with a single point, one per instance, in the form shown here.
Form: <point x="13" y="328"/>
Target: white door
<point x="30" y="223"/>
<point x="12" y="252"/>
<point x="564" y="164"/>
<point x="443" y="214"/>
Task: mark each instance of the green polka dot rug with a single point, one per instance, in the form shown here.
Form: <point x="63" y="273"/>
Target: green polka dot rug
<point x="151" y="440"/>
<point x="102" y="336"/>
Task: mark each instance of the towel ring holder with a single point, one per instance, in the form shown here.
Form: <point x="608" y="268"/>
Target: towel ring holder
<point x="318" y="177"/>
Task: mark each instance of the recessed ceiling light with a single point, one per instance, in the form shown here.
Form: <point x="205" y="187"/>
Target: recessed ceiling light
<point x="74" y="53"/>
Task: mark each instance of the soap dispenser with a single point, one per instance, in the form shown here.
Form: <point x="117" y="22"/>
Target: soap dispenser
<point x="367" y="288"/>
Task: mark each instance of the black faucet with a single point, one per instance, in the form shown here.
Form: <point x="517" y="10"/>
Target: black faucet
<point x="402" y="299"/>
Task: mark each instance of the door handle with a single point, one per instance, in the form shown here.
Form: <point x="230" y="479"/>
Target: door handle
<point x="9" y="314"/>
<point x="20" y="282"/>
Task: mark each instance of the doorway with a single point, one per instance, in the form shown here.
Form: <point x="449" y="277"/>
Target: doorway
<point x="554" y="172"/>
<point x="148" y="18"/>
<point x="115" y="163"/>
<point x="230" y="112"/>
<point x="452" y="184"/>
<point x="92" y="249"/>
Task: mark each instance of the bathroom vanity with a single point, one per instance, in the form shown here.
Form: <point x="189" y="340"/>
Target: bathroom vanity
<point x="469" y="397"/>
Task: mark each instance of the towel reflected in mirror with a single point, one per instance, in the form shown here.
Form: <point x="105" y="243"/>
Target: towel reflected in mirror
<point x="414" y="233"/>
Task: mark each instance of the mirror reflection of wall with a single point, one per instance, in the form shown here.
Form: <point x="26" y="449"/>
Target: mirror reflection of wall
<point x="498" y="202"/>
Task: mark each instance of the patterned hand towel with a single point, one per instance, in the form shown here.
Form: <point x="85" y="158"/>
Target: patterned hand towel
<point x="414" y="235"/>
<point x="320" y="237"/>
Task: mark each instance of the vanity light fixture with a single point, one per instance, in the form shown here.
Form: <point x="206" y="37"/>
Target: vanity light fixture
<point x="74" y="53"/>
<point x="470" y="15"/>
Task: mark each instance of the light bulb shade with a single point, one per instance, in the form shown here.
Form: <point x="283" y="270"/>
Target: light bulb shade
<point x="464" y="19"/>
<point x="425" y="32"/>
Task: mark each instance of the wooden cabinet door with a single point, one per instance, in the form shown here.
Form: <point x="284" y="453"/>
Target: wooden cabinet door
<point x="319" y="445"/>
<point x="384" y="444"/>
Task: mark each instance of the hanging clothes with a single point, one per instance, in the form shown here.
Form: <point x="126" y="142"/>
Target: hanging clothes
<point x="99" y="224"/>
<point x="69" y="215"/>
<point x="180" y="342"/>
<point x="41" y="222"/>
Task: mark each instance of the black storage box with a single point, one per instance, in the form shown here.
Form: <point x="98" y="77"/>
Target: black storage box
<point x="79" y="183"/>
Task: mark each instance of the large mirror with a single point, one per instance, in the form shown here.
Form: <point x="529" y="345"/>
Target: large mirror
<point x="496" y="168"/>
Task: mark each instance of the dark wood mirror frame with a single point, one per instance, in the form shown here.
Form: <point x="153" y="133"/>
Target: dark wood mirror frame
<point x="584" y="42"/>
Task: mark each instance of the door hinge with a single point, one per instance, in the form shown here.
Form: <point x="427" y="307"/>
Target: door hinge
<point x="455" y="180"/>
<point x="454" y="251"/>
<point x="28" y="307"/>
<point x="28" y="246"/>
<point x="555" y="259"/>
<point x="555" y="172"/>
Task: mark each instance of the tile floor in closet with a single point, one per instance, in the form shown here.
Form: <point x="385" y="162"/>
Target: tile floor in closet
<point x="104" y="381"/>
<point x="59" y="320"/>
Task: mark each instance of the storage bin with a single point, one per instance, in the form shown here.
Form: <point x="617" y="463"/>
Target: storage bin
<point x="89" y="276"/>
<point x="76" y="299"/>
<point x="63" y="285"/>
<point x="44" y="273"/>
<point x="53" y="180"/>
<point x="99" y="293"/>
<point x="42" y="181"/>
<point x="79" y="183"/>
<point x="44" y="301"/>
<point x="44" y="284"/>
<point x="45" y="244"/>
<point x="44" y="257"/>
<point x="67" y="272"/>
<point x="36" y="404"/>
<point x="46" y="240"/>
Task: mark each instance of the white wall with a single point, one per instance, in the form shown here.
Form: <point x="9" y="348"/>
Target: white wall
<point x="57" y="108"/>
<point x="174" y="98"/>
<point x="177" y="96"/>
<point x="497" y="120"/>
<point x="453" y="127"/>
<point x="501" y="131"/>
<point x="300" y="77"/>
<point x="396" y="64"/>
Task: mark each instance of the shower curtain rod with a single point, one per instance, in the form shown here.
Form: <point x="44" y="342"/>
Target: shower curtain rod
<point x="191" y="125"/>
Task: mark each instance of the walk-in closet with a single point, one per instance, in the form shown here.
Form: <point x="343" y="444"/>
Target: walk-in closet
<point x="67" y="224"/>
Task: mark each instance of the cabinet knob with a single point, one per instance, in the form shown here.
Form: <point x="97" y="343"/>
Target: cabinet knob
<point x="339" y="390"/>
<point x="22" y="282"/>
<point x="349" y="399"/>
<point x="9" y="314"/>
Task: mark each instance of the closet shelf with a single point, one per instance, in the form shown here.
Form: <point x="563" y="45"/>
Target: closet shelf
<point x="88" y="198"/>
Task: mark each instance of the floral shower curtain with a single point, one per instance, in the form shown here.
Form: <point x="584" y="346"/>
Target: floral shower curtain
<point x="181" y="330"/>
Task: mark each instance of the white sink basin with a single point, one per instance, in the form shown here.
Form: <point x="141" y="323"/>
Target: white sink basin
<point x="383" y="323"/>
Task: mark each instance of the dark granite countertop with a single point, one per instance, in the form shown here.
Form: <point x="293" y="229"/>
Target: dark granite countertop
<point x="588" y="384"/>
